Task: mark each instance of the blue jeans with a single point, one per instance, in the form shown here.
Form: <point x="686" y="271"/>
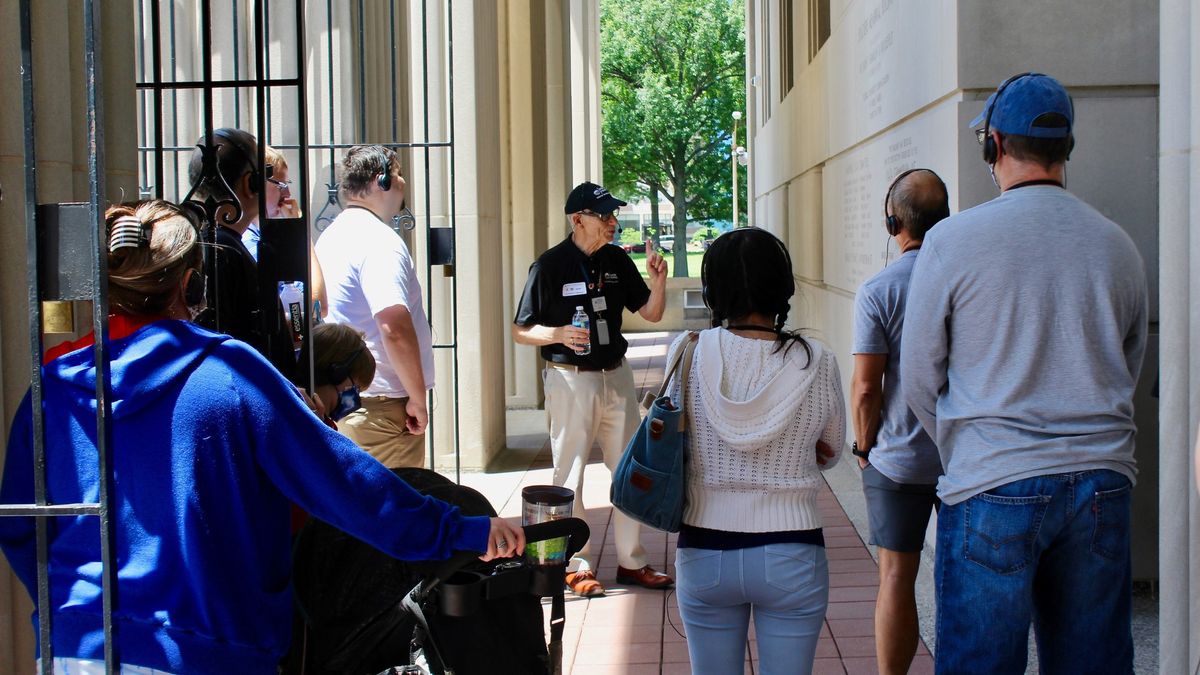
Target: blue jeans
<point x="1053" y="550"/>
<point x="785" y="585"/>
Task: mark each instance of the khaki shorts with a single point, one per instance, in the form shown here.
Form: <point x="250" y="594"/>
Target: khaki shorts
<point x="378" y="427"/>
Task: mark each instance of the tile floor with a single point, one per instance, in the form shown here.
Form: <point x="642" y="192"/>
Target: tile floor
<point x="634" y="630"/>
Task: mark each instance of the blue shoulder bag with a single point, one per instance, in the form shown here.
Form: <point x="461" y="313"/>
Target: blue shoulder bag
<point x="648" y="483"/>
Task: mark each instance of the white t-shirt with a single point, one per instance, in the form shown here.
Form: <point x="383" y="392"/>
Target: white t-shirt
<point x="367" y="269"/>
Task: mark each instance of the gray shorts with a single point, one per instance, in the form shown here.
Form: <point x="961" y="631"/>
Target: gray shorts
<point x="897" y="513"/>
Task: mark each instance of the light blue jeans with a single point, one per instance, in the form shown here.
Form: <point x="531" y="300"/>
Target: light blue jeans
<point x="786" y="586"/>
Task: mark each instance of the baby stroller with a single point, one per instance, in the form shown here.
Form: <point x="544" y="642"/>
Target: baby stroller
<point x="365" y="612"/>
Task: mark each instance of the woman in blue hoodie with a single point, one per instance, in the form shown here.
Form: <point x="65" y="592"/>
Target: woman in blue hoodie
<point x="210" y="445"/>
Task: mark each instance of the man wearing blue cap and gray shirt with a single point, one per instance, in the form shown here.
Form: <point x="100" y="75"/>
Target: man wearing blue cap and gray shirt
<point x="1023" y="341"/>
<point x="590" y="394"/>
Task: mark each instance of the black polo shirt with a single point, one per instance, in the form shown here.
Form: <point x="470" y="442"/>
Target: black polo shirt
<point x="563" y="278"/>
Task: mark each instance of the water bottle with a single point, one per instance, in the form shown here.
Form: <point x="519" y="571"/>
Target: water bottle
<point x="291" y="295"/>
<point x="581" y="320"/>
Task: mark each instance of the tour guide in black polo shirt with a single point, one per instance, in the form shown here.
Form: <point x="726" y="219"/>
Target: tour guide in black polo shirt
<point x="591" y="398"/>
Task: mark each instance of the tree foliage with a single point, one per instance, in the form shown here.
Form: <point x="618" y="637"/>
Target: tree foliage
<point x="672" y="73"/>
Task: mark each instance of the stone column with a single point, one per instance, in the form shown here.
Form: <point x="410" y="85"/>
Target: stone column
<point x="582" y="42"/>
<point x="523" y="241"/>
<point x="1179" y="389"/>
<point x="479" y="266"/>
<point x="60" y="109"/>
<point x="556" y="83"/>
<point x="751" y="112"/>
<point x="563" y="132"/>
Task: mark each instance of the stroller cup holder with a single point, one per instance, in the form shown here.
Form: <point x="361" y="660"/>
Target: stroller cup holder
<point x="462" y="592"/>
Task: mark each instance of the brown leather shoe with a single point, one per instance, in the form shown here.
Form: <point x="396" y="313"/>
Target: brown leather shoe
<point x="584" y="584"/>
<point x="647" y="577"/>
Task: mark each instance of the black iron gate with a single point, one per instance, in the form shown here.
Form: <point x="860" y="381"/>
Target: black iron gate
<point x="278" y="104"/>
<point x="375" y="53"/>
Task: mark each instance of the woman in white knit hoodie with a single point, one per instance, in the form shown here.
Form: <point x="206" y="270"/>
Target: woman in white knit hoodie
<point x="760" y="399"/>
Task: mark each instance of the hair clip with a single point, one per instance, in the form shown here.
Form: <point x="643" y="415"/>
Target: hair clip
<point x="127" y="232"/>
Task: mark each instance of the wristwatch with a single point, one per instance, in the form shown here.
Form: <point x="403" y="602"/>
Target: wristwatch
<point x="865" y="454"/>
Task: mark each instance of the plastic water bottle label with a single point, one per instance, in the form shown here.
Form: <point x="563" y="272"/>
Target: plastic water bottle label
<point x="581" y="320"/>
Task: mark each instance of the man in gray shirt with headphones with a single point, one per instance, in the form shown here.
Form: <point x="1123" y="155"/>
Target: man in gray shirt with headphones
<point x="899" y="461"/>
<point x="1023" y="342"/>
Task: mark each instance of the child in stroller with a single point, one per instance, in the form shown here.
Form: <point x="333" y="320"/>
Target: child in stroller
<point x="366" y="612"/>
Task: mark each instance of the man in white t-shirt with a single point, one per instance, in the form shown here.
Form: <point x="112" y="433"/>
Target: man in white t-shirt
<point x="372" y="285"/>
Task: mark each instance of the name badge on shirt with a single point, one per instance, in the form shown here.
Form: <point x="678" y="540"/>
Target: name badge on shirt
<point x="577" y="288"/>
<point x="599" y="304"/>
<point x="602" y="332"/>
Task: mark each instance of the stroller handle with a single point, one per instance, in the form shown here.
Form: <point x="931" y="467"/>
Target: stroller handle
<point x="575" y="529"/>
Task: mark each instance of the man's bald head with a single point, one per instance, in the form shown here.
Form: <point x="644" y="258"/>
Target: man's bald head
<point x="919" y="201"/>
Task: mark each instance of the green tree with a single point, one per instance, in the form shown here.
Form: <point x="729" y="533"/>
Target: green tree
<point x="672" y="73"/>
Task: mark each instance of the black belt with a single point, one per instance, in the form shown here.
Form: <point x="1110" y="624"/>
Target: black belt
<point x="584" y="369"/>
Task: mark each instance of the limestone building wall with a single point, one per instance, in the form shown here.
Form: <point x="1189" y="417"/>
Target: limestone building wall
<point x="892" y="87"/>
<point x="1179" y="261"/>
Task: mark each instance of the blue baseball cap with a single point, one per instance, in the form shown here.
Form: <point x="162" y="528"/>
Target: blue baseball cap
<point x="1029" y="105"/>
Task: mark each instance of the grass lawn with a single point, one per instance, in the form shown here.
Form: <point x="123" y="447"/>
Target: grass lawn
<point x="693" y="262"/>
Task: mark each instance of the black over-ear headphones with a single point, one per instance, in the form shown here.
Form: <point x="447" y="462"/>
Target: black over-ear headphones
<point x="340" y="371"/>
<point x="893" y="224"/>
<point x="385" y="177"/>
<point x="251" y="158"/>
<point x="890" y="221"/>
<point x="193" y="292"/>
<point x="990" y="151"/>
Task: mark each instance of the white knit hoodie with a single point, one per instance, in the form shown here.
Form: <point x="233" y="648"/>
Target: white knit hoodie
<point x="754" y="418"/>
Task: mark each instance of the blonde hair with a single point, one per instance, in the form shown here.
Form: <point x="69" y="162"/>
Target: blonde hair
<point x="274" y="159"/>
<point x="152" y="245"/>
<point x="337" y="346"/>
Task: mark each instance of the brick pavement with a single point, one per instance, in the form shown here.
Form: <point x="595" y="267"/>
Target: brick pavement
<point x="634" y="630"/>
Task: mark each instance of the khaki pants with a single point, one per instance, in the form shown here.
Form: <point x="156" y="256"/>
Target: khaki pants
<point x="378" y="427"/>
<point x="594" y="407"/>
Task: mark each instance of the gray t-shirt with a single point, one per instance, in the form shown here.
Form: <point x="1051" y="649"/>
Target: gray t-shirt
<point x="903" y="451"/>
<point x="1023" y="341"/>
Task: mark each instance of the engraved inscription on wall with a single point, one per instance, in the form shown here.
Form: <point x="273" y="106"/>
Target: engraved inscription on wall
<point x="857" y="182"/>
<point x="875" y="40"/>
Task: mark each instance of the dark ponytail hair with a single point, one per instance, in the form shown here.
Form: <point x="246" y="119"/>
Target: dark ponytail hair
<point x="747" y="271"/>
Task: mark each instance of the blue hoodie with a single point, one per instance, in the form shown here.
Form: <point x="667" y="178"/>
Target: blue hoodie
<point x="210" y="444"/>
